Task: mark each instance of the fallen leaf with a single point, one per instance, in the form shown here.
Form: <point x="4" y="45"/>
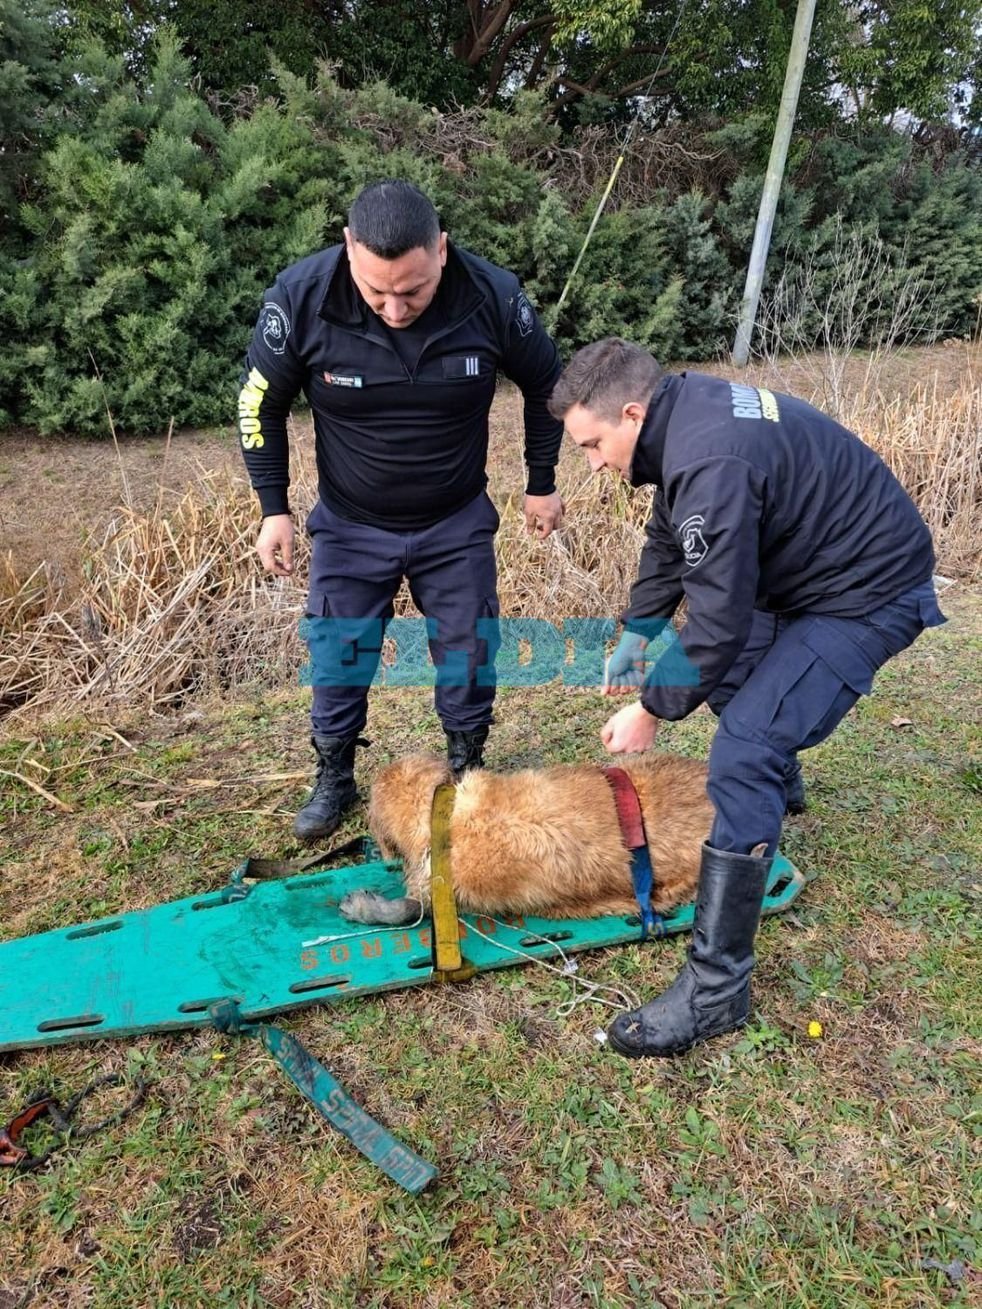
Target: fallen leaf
<point x="901" y="722"/>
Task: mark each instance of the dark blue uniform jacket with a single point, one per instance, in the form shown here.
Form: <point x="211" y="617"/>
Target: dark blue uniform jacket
<point x="398" y="446"/>
<point x="762" y="502"/>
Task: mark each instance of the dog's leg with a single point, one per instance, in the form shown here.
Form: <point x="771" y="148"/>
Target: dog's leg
<point x="367" y="907"/>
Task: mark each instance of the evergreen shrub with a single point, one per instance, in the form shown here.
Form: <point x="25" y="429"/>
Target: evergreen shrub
<point x="133" y="273"/>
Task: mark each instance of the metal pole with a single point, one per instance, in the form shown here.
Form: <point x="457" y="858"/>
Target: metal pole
<point x="772" y="179"/>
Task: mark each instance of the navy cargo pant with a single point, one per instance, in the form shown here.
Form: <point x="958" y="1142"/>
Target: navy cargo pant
<point x="795" y="681"/>
<point x="356" y="571"/>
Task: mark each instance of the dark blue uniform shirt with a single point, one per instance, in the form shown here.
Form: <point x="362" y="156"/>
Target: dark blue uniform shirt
<point x="763" y="502"/>
<point x="401" y="433"/>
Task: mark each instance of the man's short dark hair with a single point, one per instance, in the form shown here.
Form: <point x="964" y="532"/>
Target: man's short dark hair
<point x="392" y="217"/>
<point x="604" y="377"/>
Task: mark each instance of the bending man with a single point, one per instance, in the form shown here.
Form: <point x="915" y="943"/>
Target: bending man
<point x="805" y="566"/>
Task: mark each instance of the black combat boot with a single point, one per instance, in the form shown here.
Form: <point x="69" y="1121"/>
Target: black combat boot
<point x="794" y="801"/>
<point x="334" y="787"/>
<point x="466" y="750"/>
<point x="711" y="994"/>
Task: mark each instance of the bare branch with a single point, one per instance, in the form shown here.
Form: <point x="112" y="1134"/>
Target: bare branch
<point x="575" y="89"/>
<point x="509" y="43"/>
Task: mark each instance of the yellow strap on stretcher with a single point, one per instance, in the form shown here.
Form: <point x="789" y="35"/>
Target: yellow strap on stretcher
<point x="448" y="963"/>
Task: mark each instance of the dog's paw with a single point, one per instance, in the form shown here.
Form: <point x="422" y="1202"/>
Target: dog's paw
<point x="361" y="907"/>
<point x="367" y="907"/>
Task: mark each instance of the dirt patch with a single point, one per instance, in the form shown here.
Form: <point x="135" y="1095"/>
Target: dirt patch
<point x="198" y="1228"/>
<point x="56" y="491"/>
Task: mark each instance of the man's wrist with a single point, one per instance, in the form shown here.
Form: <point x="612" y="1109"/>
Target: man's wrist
<point x="647" y="628"/>
<point x="273" y="500"/>
<point x="541" y="480"/>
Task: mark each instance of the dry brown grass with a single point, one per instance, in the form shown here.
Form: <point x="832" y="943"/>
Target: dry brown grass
<point x="169" y="601"/>
<point x="934" y="444"/>
<point x="930" y="434"/>
<point x="158" y="593"/>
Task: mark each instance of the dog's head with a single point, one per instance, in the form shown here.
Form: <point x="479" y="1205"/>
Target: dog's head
<point x="401" y="802"/>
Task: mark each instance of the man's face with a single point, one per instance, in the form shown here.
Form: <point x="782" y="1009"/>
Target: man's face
<point x="606" y="444"/>
<point x="398" y="290"/>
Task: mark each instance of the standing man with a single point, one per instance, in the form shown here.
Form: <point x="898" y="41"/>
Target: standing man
<point x="772" y="519"/>
<point x="396" y="337"/>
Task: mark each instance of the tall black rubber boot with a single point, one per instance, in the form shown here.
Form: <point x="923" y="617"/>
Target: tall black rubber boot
<point x="711" y="994"/>
<point x="794" y="802"/>
<point x="334" y="788"/>
<point x="466" y="750"/>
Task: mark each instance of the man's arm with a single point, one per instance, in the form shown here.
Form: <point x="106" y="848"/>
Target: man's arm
<point x="531" y="360"/>
<point x="655" y="595"/>
<point x="716" y="510"/>
<point x="657" y="590"/>
<point x="270" y="382"/>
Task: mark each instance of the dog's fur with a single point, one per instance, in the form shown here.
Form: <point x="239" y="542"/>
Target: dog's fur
<point x="542" y="841"/>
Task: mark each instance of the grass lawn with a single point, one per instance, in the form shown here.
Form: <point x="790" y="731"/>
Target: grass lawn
<point x="765" y="1168"/>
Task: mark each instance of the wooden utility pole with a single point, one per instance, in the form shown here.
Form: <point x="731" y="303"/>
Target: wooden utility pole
<point x="772" y="179"/>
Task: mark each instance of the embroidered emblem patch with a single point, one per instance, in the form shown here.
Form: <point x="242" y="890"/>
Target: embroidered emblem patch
<point x="694" y="545"/>
<point x="275" y="327"/>
<point x="344" y="379"/>
<point x="524" y="314"/>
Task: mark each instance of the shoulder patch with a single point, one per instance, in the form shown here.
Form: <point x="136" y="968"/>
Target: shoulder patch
<point x="275" y="327"/>
<point x="694" y="545"/>
<point x="524" y="314"/>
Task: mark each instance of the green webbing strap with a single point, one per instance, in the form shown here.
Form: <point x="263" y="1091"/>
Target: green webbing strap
<point x="329" y="1098"/>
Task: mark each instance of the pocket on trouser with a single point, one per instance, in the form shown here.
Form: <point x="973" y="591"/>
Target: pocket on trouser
<point x="899" y="622"/>
<point x="465" y="686"/>
<point x="317" y="519"/>
<point x="812" y="707"/>
<point x="929" y="609"/>
<point x="493" y="516"/>
<point x="343" y="651"/>
<point x="800" y="691"/>
<point x="852" y="664"/>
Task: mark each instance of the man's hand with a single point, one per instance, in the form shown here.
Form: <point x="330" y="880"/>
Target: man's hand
<point x="625" y="669"/>
<point x="274" y="545"/>
<point x="631" y="730"/>
<point x="543" y="514"/>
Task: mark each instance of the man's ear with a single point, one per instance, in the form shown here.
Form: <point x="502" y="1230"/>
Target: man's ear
<point x="634" y="411"/>
<point x="442" y="248"/>
<point x="349" y="241"/>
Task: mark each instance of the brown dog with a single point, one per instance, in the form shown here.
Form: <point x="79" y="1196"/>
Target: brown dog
<point x="543" y="841"/>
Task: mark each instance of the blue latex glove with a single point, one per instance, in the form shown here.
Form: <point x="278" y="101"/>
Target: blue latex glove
<point x="625" y="669"/>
